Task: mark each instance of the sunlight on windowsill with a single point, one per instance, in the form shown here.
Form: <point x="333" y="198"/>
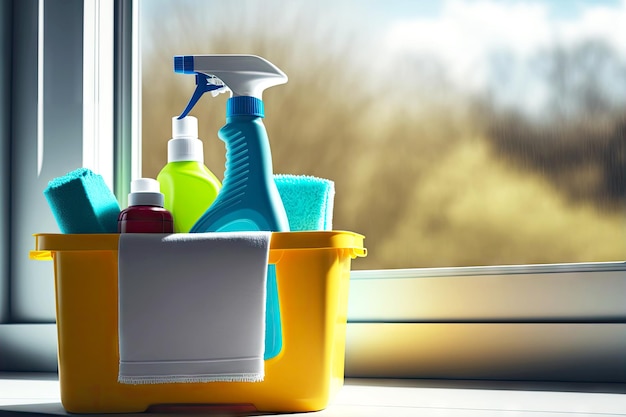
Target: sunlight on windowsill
<point x="39" y="394"/>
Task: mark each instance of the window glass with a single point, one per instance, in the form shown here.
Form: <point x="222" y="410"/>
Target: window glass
<point x="457" y="133"/>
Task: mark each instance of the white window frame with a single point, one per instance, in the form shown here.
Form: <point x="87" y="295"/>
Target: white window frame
<point x="499" y="322"/>
<point x="5" y="152"/>
<point x="28" y="342"/>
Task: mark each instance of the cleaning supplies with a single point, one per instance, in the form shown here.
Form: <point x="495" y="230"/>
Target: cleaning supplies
<point x="145" y="212"/>
<point x="249" y="199"/>
<point x="81" y="202"/>
<point x="308" y="201"/>
<point x="188" y="185"/>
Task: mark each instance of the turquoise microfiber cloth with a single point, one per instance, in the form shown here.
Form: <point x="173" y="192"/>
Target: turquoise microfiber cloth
<point x="81" y="202"/>
<point x="308" y="201"/>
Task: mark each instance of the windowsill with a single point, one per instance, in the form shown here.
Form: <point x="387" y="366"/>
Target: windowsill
<point x="533" y="322"/>
<point x="38" y="394"/>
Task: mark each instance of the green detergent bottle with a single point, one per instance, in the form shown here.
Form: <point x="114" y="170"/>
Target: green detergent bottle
<point x="188" y="185"/>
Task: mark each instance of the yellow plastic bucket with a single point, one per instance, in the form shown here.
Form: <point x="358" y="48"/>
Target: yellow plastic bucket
<point x="312" y="270"/>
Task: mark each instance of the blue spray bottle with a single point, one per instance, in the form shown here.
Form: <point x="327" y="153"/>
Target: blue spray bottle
<point x="249" y="199"/>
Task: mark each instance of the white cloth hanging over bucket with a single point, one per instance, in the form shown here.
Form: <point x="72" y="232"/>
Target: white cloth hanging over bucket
<point x="192" y="307"/>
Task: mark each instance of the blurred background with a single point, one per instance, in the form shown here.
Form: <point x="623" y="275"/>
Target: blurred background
<point x="458" y="133"/>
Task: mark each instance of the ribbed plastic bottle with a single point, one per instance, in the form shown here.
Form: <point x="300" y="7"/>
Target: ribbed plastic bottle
<point x="249" y="199"/>
<point x="188" y="185"/>
<point x="145" y="212"/>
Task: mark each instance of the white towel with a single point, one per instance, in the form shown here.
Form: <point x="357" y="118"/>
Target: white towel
<point x="192" y="307"/>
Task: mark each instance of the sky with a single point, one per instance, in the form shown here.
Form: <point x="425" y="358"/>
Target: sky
<point x="465" y="36"/>
<point x="459" y="27"/>
<point x="556" y="8"/>
<point x="462" y="32"/>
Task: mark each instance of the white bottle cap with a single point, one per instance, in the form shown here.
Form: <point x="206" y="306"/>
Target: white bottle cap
<point x="185" y="145"/>
<point x="145" y="192"/>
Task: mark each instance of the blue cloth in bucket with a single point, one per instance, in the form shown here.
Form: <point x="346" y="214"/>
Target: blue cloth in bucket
<point x="81" y="202"/>
<point x="308" y="201"/>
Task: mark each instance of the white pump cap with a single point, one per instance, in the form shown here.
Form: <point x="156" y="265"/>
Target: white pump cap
<point x="145" y="192"/>
<point x="185" y="145"/>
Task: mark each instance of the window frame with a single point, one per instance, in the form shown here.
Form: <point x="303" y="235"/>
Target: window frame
<point x="6" y="28"/>
<point x="27" y="344"/>
<point x="20" y="342"/>
<point x="24" y="345"/>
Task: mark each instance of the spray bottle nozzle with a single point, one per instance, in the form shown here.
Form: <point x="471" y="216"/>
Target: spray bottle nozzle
<point x="242" y="75"/>
<point x="204" y="83"/>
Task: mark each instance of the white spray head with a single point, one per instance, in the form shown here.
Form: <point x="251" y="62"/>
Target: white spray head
<point x="243" y="75"/>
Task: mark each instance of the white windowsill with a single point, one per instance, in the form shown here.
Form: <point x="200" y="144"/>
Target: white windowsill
<point x="38" y="394"/>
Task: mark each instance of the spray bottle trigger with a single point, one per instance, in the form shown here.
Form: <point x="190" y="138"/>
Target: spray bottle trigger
<point x="202" y="86"/>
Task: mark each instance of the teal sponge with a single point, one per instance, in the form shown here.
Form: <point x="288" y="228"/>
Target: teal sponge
<point x="81" y="202"/>
<point x="308" y="201"/>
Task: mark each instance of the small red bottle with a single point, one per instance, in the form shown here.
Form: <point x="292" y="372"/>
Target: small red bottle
<point x="145" y="212"/>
